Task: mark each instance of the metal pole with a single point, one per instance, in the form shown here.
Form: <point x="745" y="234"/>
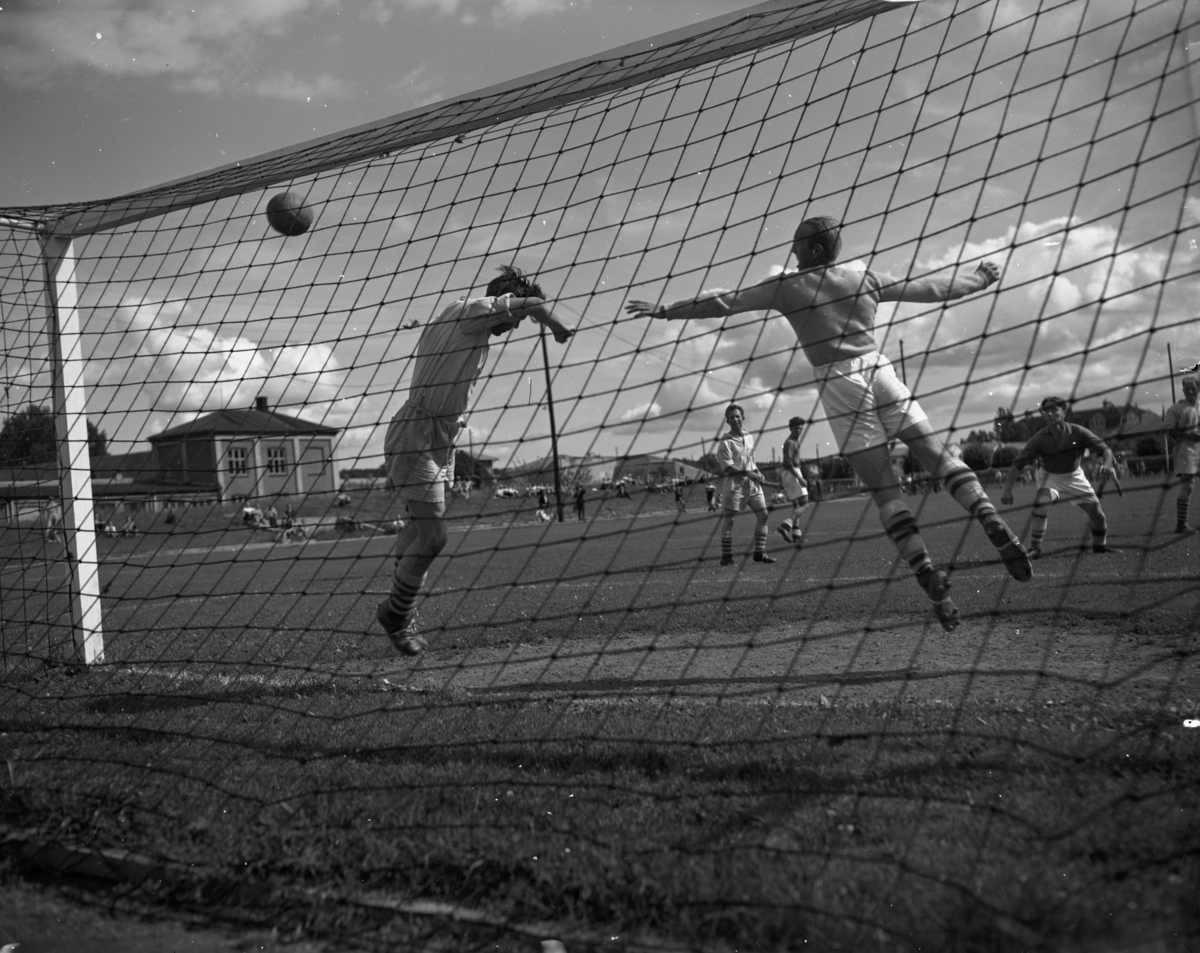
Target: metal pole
<point x="558" y="496"/>
<point x="1171" y="368"/>
<point x="903" y="376"/>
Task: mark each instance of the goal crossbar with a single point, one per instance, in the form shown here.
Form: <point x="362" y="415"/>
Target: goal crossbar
<point x="762" y="25"/>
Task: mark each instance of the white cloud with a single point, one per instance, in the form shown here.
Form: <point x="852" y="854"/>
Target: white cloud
<point x="180" y="371"/>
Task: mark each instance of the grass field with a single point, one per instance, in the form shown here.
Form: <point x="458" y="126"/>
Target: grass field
<point x="617" y="743"/>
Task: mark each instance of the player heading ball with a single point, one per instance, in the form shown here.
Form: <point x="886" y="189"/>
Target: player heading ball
<point x="419" y="445"/>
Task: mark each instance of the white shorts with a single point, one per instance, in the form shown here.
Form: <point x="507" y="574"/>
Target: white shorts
<point x="1187" y="458"/>
<point x="419" y="453"/>
<point x="743" y="491"/>
<point x="1072" y="486"/>
<point x="867" y="404"/>
<point x="794" y="490"/>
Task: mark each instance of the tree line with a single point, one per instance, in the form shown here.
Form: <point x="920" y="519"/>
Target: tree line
<point x="28" y="439"/>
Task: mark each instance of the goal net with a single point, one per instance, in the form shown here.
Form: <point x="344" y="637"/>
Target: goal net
<point x="195" y="501"/>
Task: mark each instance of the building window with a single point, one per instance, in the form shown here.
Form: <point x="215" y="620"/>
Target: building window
<point x="237" y="460"/>
<point x="277" y="460"/>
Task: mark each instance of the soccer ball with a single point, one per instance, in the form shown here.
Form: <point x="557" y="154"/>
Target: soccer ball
<point x="288" y="215"/>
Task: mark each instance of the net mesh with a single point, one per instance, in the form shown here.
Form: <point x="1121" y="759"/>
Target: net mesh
<point x="614" y="739"/>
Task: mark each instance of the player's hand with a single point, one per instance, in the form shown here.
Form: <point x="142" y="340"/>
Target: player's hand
<point x="1006" y="499"/>
<point x="988" y="272"/>
<point x="563" y="335"/>
<point x="645" y="309"/>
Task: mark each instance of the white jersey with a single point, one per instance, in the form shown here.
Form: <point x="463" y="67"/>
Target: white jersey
<point x="1184" y="417"/>
<point x="451" y="354"/>
<point x="736" y="453"/>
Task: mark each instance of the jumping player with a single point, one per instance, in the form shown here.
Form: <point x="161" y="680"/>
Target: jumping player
<point x="832" y="310"/>
<point x="1060" y="445"/>
<point x="794" y="486"/>
<point x="1182" y="422"/>
<point x="742" y="483"/>
<point x="419" y="445"/>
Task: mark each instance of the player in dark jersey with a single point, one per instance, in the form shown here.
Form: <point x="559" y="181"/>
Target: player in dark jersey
<point x="1060" y="447"/>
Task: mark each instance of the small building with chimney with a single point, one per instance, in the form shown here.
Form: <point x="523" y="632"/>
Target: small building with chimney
<point x="232" y="454"/>
<point x="246" y="454"/>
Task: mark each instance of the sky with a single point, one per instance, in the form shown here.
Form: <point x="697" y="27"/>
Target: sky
<point x="1057" y="140"/>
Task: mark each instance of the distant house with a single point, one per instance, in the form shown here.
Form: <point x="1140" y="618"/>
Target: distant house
<point x="227" y="454"/>
<point x="25" y="490"/>
<point x="243" y="454"/>
<point x="1118" y="424"/>
<point x="648" y="468"/>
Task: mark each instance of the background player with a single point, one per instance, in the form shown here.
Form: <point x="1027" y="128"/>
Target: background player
<point x="832" y="310"/>
<point x="1182" y="422"/>
<point x="1060" y="446"/>
<point x="795" y="488"/>
<point x="419" y="445"/>
<point x="742" y="483"/>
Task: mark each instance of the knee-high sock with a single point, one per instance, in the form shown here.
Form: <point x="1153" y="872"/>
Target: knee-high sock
<point x="901" y="526"/>
<point x="727" y="545"/>
<point x="1183" y="505"/>
<point x="760" y="538"/>
<point x="966" y="489"/>
<point x="1037" y="523"/>
<point x="405" y="588"/>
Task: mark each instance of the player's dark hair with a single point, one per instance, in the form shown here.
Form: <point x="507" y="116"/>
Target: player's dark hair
<point x="797" y="422"/>
<point x="514" y="281"/>
<point x="827" y="232"/>
<point x="1054" y="402"/>
<point x="737" y="407"/>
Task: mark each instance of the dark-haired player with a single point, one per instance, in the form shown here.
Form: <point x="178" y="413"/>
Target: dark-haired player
<point x="419" y="446"/>
<point x="741" y="485"/>
<point x="832" y="310"/>
<point x="1060" y="446"/>
<point x="795" y="488"/>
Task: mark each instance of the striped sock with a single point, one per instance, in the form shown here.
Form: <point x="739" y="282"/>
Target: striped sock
<point x="404" y="594"/>
<point x="1037" y="530"/>
<point x="727" y="547"/>
<point x="760" y="539"/>
<point x="901" y="526"/>
<point x="1182" y="507"/>
<point x="964" y="486"/>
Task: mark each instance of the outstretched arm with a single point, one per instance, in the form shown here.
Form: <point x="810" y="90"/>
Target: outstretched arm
<point x="710" y="304"/>
<point x="925" y="290"/>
